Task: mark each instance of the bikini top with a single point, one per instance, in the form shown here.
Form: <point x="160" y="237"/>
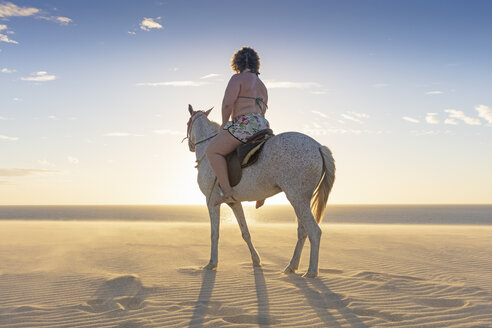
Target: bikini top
<point x="258" y="102"/>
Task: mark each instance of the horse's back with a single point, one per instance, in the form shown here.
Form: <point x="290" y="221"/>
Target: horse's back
<point x="291" y="154"/>
<point x="292" y="145"/>
<point x="288" y="161"/>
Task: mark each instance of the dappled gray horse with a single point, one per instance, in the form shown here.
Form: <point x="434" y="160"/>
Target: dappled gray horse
<point x="290" y="162"/>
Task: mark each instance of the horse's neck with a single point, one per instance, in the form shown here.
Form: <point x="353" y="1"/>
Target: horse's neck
<point x="204" y="131"/>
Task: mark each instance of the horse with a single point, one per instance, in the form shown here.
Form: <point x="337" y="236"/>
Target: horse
<point x="290" y="162"/>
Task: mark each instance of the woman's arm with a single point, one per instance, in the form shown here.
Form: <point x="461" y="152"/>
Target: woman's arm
<point x="230" y="97"/>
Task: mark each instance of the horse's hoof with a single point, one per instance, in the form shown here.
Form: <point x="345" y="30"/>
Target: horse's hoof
<point x="289" y="270"/>
<point x="310" y="275"/>
<point x="210" y="266"/>
<point x="257" y="264"/>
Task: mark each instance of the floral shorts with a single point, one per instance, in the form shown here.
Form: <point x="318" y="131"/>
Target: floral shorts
<point x="244" y="126"/>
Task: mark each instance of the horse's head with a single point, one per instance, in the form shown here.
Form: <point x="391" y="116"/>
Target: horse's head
<point x="190" y="132"/>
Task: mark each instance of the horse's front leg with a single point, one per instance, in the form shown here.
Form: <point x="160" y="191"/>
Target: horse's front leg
<point x="214" y="213"/>
<point x="237" y="208"/>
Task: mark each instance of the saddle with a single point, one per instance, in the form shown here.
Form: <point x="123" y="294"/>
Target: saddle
<point x="246" y="155"/>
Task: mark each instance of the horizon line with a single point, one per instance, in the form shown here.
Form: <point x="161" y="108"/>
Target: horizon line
<point x="286" y="204"/>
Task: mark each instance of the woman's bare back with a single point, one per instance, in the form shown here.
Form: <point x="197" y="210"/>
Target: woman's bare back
<point x="251" y="88"/>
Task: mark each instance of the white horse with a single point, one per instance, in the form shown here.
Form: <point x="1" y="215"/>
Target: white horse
<point x="290" y="162"/>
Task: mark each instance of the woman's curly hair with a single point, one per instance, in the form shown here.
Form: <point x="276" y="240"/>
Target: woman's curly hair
<point x="245" y="58"/>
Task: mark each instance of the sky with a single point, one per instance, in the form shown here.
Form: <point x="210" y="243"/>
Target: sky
<point x="94" y="95"/>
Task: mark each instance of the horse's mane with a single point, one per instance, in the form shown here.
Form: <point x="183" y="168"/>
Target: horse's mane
<point x="215" y="125"/>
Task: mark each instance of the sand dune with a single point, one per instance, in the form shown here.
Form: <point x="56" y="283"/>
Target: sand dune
<point x="123" y="274"/>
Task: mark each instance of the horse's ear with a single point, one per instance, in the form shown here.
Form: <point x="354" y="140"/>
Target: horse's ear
<point x="190" y="109"/>
<point x="208" y="111"/>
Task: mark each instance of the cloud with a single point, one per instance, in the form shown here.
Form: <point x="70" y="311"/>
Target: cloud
<point x="380" y="85"/>
<point x="434" y="93"/>
<point x="419" y="133"/>
<point x="44" y="162"/>
<point x="15" y="172"/>
<point x="410" y="119"/>
<point x="451" y="121"/>
<point x="319" y="113"/>
<point x="457" y="114"/>
<point x="431" y="118"/>
<point x="271" y="84"/>
<point x="351" y="118"/>
<point x="63" y="20"/>
<point x="5" y="38"/>
<point x="132" y="33"/>
<point x="17" y="99"/>
<point x="122" y="134"/>
<point x="57" y="19"/>
<point x="72" y="160"/>
<point x="7" y="70"/>
<point x="165" y="131"/>
<point x="209" y="76"/>
<point x="8" y="138"/>
<point x="319" y="92"/>
<point x="148" y="23"/>
<point x="39" y="77"/>
<point x="484" y="112"/>
<point x="8" y="9"/>
<point x="354" y="116"/>
<point x="333" y="131"/>
<point x="173" y="84"/>
<point x="359" y="115"/>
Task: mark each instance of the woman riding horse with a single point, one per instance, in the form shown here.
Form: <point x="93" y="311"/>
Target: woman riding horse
<point x="245" y="101"/>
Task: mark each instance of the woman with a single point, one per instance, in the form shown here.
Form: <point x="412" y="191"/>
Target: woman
<point x="245" y="101"/>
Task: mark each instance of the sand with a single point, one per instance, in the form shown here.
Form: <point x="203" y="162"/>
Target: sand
<point x="138" y="274"/>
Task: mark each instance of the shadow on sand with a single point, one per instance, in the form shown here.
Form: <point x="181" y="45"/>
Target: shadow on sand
<point x="322" y="299"/>
<point x="201" y="306"/>
<point x="264" y="318"/>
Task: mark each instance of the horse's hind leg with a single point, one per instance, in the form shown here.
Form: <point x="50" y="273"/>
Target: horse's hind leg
<point x="237" y="208"/>
<point x="306" y="219"/>
<point x="296" y="258"/>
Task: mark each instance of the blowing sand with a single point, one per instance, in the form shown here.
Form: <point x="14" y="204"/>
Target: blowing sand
<point x="124" y="274"/>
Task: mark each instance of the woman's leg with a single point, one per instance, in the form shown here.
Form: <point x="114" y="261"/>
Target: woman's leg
<point x="221" y="145"/>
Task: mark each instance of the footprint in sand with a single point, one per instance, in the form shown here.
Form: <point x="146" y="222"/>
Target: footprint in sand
<point x="121" y="293"/>
<point x="440" y="302"/>
<point x="191" y="270"/>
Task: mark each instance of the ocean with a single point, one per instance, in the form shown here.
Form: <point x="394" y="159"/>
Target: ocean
<point x="378" y="214"/>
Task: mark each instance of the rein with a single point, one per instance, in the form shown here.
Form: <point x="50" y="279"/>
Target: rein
<point x="192" y="145"/>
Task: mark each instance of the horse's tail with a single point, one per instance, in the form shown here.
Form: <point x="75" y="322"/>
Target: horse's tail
<point x="322" y="191"/>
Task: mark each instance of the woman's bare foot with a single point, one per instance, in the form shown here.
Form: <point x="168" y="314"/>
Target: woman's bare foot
<point x="259" y="203"/>
<point x="226" y="197"/>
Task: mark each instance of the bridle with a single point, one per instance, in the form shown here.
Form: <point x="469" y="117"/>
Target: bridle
<point x="192" y="120"/>
<point x="195" y="116"/>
